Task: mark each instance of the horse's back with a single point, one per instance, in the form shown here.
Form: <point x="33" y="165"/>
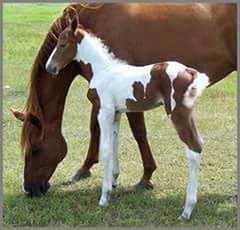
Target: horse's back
<point x="193" y="34"/>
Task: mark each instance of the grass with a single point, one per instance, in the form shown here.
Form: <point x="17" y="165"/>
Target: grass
<point x="76" y="205"/>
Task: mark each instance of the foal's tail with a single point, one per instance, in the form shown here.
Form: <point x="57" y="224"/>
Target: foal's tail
<point x="195" y="89"/>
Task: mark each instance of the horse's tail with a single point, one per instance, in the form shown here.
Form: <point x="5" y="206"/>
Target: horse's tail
<point x="195" y="89"/>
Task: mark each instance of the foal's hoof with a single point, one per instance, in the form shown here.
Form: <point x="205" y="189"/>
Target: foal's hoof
<point x="115" y="177"/>
<point x="185" y="216"/>
<point x="144" y="185"/>
<point x="103" y="203"/>
<point x="181" y="219"/>
<point x="81" y="174"/>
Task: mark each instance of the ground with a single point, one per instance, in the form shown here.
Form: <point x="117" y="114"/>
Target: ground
<point x="25" y="26"/>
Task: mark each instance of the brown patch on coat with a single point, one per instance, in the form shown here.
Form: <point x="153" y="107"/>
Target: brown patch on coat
<point x="183" y="121"/>
<point x="181" y="83"/>
<point x="86" y="71"/>
<point x="93" y="97"/>
<point x="158" y="86"/>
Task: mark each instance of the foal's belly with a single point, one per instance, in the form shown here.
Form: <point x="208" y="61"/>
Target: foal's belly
<point x="129" y="91"/>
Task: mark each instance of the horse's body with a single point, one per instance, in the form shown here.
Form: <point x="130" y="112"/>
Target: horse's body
<point x="202" y="36"/>
<point x="116" y="87"/>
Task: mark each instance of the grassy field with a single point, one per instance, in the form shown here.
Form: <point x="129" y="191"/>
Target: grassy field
<point x="25" y="26"/>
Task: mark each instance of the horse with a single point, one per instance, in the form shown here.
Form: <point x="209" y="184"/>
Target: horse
<point x="208" y="29"/>
<point x="116" y="87"/>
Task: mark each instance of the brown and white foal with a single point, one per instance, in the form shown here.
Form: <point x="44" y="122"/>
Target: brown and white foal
<point x="116" y="87"/>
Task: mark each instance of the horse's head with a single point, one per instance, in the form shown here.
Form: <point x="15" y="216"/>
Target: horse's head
<point x="42" y="141"/>
<point x="66" y="48"/>
<point x="42" y="152"/>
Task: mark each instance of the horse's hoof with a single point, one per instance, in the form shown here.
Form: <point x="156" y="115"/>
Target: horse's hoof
<point x="185" y="216"/>
<point x="144" y="185"/>
<point x="81" y="174"/>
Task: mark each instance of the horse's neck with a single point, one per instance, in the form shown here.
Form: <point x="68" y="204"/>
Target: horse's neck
<point x="51" y="98"/>
<point x="92" y="51"/>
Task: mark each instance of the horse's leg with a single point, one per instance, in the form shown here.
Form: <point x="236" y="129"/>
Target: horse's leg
<point x="106" y="120"/>
<point x="93" y="149"/>
<point x="115" y="148"/>
<point x="185" y="126"/>
<point x="136" y="121"/>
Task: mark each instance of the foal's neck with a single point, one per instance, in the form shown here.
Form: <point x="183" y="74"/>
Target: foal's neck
<point x="91" y="50"/>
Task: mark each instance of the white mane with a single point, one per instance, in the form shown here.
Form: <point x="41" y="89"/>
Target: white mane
<point x="101" y="47"/>
<point x="93" y="50"/>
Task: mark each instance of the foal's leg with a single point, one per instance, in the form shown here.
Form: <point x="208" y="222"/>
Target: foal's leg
<point x="106" y="119"/>
<point x="137" y="124"/>
<point x="116" y="170"/>
<point x="93" y="149"/>
<point x="185" y="126"/>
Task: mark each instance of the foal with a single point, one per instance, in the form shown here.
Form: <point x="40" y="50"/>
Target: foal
<point x="116" y="87"/>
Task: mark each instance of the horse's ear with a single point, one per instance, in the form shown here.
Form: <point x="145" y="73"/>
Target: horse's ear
<point x="20" y="116"/>
<point x="74" y="23"/>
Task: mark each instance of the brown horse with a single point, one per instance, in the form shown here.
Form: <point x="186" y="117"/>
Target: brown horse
<point x="155" y="32"/>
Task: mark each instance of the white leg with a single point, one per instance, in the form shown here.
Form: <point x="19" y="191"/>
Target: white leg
<point x="116" y="169"/>
<point x="105" y="119"/>
<point x="194" y="159"/>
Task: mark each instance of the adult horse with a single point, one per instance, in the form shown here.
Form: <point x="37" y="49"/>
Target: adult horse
<point x="200" y="35"/>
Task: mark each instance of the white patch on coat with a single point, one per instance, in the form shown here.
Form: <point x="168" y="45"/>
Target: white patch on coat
<point x="50" y="58"/>
<point x="112" y="77"/>
<point x="100" y="58"/>
<point x="194" y="159"/>
<point x="172" y="70"/>
<point x="195" y="90"/>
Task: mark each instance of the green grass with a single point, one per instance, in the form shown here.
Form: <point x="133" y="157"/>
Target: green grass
<point x="25" y="26"/>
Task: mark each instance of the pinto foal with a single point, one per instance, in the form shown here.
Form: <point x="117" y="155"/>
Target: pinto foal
<point x="116" y="87"/>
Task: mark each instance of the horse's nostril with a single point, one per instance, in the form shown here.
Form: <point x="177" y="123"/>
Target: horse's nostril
<point x="44" y="187"/>
<point x="36" y="189"/>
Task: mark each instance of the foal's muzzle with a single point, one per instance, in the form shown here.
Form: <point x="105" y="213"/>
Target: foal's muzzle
<point x="53" y="69"/>
<point x="36" y="189"/>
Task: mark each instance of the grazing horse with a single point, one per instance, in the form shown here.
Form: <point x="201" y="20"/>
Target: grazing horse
<point x="204" y="38"/>
<point x="116" y="87"/>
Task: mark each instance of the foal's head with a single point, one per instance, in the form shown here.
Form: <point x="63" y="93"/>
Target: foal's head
<point x="66" y="48"/>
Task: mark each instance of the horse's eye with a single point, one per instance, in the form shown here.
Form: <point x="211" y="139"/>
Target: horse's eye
<point x="62" y="45"/>
<point x="35" y="151"/>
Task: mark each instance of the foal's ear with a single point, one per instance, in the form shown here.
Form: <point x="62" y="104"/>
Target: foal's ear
<point x="67" y="19"/>
<point x="74" y="23"/>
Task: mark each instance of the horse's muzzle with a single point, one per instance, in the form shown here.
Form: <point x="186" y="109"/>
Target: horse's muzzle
<point x="36" y="189"/>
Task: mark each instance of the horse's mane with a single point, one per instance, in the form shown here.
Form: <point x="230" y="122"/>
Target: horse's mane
<point x="33" y="106"/>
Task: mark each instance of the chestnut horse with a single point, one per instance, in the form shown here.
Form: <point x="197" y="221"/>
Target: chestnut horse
<point x="202" y="36"/>
<point x="116" y="87"/>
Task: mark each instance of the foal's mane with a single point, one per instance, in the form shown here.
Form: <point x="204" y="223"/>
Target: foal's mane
<point x="33" y="105"/>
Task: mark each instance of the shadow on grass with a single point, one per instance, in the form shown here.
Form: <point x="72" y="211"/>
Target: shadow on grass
<point x="127" y="208"/>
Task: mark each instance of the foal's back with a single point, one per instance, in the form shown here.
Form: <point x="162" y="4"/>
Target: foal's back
<point x="134" y="89"/>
